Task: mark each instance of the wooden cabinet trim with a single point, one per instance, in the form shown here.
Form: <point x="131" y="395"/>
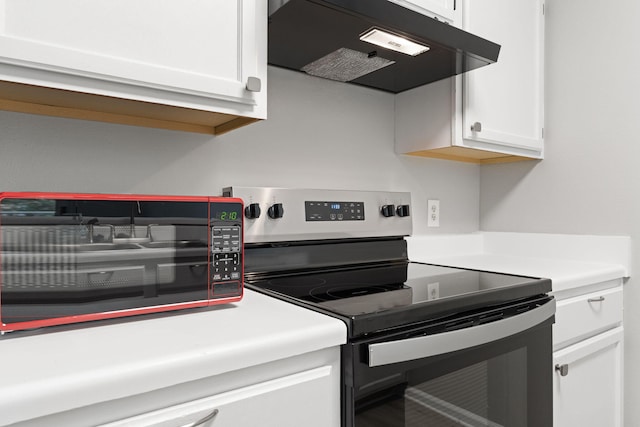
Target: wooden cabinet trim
<point x="24" y="98"/>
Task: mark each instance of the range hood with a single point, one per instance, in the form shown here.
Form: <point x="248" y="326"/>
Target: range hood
<point x="323" y="38"/>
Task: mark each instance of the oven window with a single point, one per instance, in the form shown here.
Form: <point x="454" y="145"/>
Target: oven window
<point x="490" y="393"/>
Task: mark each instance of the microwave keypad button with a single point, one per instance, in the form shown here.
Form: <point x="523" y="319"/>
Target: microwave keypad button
<point x="226" y="239"/>
<point x="226" y="266"/>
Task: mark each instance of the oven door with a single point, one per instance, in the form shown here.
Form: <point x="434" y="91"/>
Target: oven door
<point x="463" y="373"/>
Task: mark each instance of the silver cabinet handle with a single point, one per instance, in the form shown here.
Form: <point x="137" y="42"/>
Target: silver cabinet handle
<point x="254" y="84"/>
<point x="599" y="299"/>
<point x="204" y="419"/>
<point x="563" y="369"/>
<point x="476" y="127"/>
<point x="389" y="352"/>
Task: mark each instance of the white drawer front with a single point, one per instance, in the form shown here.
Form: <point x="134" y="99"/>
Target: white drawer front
<point x="584" y="315"/>
<point x="289" y="401"/>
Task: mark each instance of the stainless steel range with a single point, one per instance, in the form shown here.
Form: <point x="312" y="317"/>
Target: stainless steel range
<point x="427" y="344"/>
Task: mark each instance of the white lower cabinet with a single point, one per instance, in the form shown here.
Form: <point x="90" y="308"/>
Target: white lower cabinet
<point x="590" y="394"/>
<point x="282" y="402"/>
<point x="302" y="390"/>
<point x="588" y="359"/>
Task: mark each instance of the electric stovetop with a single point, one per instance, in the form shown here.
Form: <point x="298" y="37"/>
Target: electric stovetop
<point x="375" y="298"/>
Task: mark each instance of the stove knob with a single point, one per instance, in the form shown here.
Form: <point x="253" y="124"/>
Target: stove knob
<point x="388" y="210"/>
<point x="275" y="211"/>
<point x="252" y="211"/>
<point x="403" y="210"/>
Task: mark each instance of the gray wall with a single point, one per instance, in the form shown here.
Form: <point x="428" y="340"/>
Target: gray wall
<point x="319" y="134"/>
<point x="589" y="182"/>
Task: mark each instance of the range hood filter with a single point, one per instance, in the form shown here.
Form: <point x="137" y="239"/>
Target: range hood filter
<point x="345" y="65"/>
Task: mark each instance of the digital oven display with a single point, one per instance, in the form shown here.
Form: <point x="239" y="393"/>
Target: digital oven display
<point x="226" y="211"/>
<point x="334" y="211"/>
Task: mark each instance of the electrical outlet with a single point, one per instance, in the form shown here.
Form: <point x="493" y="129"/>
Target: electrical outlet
<point x="433" y="291"/>
<point x="433" y="208"/>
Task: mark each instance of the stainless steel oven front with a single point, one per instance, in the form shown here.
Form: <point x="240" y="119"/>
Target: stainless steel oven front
<point x="467" y="371"/>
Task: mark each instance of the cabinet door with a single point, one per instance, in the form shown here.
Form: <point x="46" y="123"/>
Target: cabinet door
<point x="196" y="54"/>
<point x="502" y="104"/>
<point x="444" y="10"/>
<point x="292" y="401"/>
<point x="590" y="394"/>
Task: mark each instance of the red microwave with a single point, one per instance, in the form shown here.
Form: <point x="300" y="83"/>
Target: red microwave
<point x="68" y="258"/>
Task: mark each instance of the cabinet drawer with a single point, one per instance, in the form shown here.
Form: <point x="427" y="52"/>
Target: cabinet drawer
<point x="289" y="401"/>
<point x="585" y="315"/>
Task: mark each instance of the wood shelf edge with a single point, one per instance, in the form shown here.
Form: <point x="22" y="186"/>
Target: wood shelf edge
<point x="469" y="155"/>
<point x="31" y="99"/>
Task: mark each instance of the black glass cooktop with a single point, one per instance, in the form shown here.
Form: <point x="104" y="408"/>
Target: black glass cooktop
<point x="393" y="294"/>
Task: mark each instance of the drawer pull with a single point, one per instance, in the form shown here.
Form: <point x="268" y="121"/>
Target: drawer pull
<point x="563" y="369"/>
<point x="204" y="419"/>
<point x="599" y="299"/>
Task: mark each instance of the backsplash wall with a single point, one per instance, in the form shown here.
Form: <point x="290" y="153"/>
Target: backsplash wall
<point x="319" y="134"/>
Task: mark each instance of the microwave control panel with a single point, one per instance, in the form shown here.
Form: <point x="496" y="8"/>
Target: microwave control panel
<point x="226" y="249"/>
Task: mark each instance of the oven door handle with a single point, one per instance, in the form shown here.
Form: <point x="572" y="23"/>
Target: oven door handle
<point x="386" y="353"/>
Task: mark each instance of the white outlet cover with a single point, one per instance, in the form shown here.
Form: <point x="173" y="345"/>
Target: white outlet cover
<point x="433" y="213"/>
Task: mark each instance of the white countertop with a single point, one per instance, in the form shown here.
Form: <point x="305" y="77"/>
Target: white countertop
<point x="564" y="274"/>
<point x="58" y="370"/>
<point x="570" y="261"/>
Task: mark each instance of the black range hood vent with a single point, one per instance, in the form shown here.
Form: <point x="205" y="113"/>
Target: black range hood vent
<point x="322" y="38"/>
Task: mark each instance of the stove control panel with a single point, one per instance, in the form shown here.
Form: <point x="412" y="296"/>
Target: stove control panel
<point x="334" y="211"/>
<point x="283" y="214"/>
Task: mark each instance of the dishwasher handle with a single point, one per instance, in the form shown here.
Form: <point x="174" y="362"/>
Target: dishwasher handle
<point x="390" y="352"/>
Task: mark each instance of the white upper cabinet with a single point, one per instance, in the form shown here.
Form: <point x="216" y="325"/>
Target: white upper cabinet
<point x="201" y="63"/>
<point x="491" y="114"/>
<point x="505" y="98"/>
<point x="443" y="10"/>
